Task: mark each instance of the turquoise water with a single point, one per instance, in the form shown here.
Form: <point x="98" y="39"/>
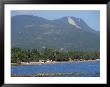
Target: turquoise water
<point x="87" y="67"/>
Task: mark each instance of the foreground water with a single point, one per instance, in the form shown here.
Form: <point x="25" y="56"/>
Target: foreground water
<point x="74" y="67"/>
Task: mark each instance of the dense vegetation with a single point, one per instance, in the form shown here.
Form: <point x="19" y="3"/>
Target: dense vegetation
<point x="19" y="55"/>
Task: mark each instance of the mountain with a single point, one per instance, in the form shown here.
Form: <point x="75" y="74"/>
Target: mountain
<point x="66" y="33"/>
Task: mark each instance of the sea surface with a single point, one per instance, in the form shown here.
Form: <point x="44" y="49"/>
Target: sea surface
<point x="92" y="67"/>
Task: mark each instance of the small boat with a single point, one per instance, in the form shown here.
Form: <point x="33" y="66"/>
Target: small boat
<point x="97" y="59"/>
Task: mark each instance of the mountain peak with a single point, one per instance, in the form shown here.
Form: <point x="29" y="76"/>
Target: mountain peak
<point x="31" y="32"/>
<point x="71" y="20"/>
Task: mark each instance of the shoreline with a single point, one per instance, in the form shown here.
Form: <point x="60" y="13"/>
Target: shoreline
<point x="72" y="74"/>
<point x="53" y="62"/>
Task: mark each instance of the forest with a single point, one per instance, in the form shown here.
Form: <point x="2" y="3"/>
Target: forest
<point x="19" y="55"/>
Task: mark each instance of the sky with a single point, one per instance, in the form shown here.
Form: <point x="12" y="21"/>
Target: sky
<point x="91" y="17"/>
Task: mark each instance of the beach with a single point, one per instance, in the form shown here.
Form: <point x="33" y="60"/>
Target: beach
<point x="51" y="62"/>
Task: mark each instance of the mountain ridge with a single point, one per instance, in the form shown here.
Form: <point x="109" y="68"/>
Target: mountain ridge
<point x="37" y="32"/>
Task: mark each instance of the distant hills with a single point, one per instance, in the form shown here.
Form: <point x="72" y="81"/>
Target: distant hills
<point x="66" y="33"/>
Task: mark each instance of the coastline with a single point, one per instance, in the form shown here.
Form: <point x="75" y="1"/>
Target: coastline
<point x="53" y="62"/>
<point x="73" y="74"/>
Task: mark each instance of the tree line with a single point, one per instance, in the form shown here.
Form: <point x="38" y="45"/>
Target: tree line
<point x="19" y="55"/>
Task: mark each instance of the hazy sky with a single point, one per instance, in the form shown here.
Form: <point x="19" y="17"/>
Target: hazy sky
<point x="91" y="17"/>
